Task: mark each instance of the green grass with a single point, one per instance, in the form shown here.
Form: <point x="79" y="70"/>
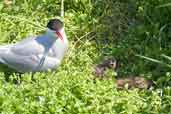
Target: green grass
<point x="71" y="89"/>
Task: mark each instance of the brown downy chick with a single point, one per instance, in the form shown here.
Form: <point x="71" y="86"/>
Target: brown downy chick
<point x="111" y="63"/>
<point x="142" y="83"/>
<point x="106" y="64"/>
<point x="133" y="82"/>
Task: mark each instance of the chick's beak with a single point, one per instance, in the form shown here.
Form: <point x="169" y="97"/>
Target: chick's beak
<point x="59" y="35"/>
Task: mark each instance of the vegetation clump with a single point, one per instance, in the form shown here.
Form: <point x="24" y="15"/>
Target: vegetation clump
<point x="96" y="29"/>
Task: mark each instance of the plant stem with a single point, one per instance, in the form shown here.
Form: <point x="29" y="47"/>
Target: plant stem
<point x="62" y="8"/>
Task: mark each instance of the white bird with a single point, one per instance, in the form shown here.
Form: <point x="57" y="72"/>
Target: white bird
<point x="39" y="53"/>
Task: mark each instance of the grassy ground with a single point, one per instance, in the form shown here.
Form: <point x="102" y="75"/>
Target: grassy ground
<point x="71" y="88"/>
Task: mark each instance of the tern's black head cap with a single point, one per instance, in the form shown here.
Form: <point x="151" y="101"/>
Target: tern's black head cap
<point x="55" y="24"/>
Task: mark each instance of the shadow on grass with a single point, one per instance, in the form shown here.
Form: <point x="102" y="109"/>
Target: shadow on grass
<point x="10" y="75"/>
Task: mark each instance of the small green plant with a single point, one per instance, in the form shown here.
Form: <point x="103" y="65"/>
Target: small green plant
<point x="95" y="28"/>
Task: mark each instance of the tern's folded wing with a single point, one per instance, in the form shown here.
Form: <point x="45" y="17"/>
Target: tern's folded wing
<point x="27" y="47"/>
<point x="20" y="63"/>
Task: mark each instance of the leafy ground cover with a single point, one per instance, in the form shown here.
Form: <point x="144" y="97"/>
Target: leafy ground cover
<point x="95" y="29"/>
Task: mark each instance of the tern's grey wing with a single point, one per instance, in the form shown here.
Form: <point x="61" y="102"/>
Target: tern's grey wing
<point x="27" y="47"/>
<point x="20" y="63"/>
<point x="22" y="56"/>
<point x="28" y="63"/>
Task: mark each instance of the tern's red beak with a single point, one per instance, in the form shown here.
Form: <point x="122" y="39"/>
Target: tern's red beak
<point x="60" y="35"/>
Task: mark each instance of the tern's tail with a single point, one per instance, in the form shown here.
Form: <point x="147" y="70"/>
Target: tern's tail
<point x="3" y="50"/>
